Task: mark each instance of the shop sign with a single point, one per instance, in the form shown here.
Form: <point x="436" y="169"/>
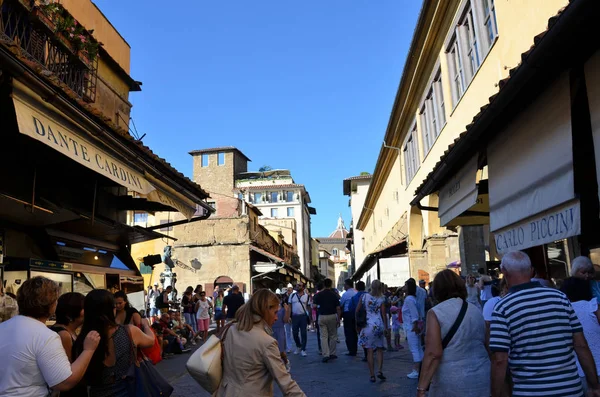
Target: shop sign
<point x="459" y="194"/>
<point x="50" y="264"/>
<point x="39" y="124"/>
<point x="552" y="225"/>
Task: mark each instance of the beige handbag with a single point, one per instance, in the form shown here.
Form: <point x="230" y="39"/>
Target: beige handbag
<point x="206" y="364"/>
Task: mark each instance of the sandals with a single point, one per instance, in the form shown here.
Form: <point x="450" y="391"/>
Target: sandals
<point x="373" y="379"/>
<point x="380" y="375"/>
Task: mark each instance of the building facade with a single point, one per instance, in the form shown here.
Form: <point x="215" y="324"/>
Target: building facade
<point x="278" y="197"/>
<point x="71" y="171"/>
<point x="339" y="254"/>
<point x="460" y="50"/>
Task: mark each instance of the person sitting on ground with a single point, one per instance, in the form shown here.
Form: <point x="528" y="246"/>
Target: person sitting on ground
<point x="251" y="359"/>
<point x="126" y="314"/>
<point x="184" y="330"/>
<point x="464" y="351"/>
<point x="172" y="343"/>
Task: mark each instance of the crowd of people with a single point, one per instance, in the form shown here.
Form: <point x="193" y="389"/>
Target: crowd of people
<point x="480" y="335"/>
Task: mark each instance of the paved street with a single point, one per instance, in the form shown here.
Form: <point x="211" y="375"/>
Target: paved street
<point x="346" y="376"/>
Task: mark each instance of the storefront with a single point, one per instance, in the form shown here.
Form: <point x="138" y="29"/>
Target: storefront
<point x="527" y="165"/>
<point x="69" y="180"/>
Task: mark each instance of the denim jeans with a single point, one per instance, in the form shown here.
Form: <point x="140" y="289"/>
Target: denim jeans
<point x="299" y="323"/>
<point x="191" y="320"/>
<point x="288" y="335"/>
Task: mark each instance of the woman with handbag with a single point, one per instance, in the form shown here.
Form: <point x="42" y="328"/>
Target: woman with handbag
<point x="111" y="363"/>
<point x="455" y="344"/>
<point x="251" y="358"/>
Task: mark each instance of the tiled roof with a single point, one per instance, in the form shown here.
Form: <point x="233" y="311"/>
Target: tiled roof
<point x="489" y="107"/>
<point x="105" y="122"/>
<point x="266" y="187"/>
<point x="359" y="177"/>
<point x="218" y="149"/>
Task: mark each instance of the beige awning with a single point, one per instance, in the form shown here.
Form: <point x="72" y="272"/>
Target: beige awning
<point x="46" y="124"/>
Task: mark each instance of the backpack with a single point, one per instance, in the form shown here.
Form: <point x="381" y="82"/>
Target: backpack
<point x="361" y="315"/>
<point x="160" y="302"/>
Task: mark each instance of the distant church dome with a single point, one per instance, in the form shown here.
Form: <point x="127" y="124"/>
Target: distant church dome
<point x="340" y="231"/>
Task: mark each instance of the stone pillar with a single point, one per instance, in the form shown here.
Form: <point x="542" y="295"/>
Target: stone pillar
<point x="472" y="248"/>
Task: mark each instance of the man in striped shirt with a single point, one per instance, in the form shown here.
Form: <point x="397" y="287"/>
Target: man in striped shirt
<point x="536" y="332"/>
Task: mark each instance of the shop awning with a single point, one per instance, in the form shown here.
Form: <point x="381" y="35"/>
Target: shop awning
<point x="263" y="267"/>
<point x="459" y="193"/>
<point x="371" y="259"/>
<point x="41" y="121"/>
<point x="592" y="81"/>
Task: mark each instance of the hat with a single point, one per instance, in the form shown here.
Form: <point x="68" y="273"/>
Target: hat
<point x="394" y="309"/>
<point x="278" y="291"/>
<point x="156" y="284"/>
<point x="290" y="285"/>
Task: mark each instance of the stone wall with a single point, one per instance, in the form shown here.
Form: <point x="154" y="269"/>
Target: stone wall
<point x="215" y="178"/>
<point x="213" y="232"/>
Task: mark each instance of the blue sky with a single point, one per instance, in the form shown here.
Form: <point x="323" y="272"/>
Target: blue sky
<point x="306" y="85"/>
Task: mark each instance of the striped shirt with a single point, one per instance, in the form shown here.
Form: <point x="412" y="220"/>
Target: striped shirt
<point x="535" y="325"/>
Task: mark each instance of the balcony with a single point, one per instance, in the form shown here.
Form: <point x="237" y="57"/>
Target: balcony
<point x="49" y="37"/>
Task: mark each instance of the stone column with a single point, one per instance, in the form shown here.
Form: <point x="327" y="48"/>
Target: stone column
<point x="472" y="248"/>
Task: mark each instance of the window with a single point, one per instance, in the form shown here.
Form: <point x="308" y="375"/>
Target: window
<point x="489" y="20"/>
<point x="140" y="217"/>
<point x="387" y="212"/>
<point x="289" y="197"/>
<point x="380" y="223"/>
<point x="274" y="197"/>
<point x="433" y="113"/>
<point x="290" y="211"/>
<point x="273" y="212"/>
<point x="456" y="71"/>
<point x="257" y="198"/>
<point x="212" y="205"/>
<point x="395" y="195"/>
<point x="334" y="252"/>
<point x="471" y="42"/>
<point x="205" y="160"/>
<point x="411" y="155"/>
<point x="221" y="158"/>
<point x="165" y="229"/>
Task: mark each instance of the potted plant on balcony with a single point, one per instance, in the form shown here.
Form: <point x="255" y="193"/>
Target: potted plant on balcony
<point x="87" y="50"/>
<point x="67" y="30"/>
<point x="46" y="14"/>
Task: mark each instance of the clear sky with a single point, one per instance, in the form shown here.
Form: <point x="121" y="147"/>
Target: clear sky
<point x="301" y="85"/>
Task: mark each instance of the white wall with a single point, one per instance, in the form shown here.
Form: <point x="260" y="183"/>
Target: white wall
<point x="394" y="271"/>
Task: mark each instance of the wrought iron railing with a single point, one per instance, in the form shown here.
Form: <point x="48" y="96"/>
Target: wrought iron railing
<point x="23" y="25"/>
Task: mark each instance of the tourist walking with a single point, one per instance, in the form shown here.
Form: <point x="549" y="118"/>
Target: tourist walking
<point x="538" y="329"/>
<point x="299" y="301"/>
<point x="219" y="313"/>
<point x="412" y="326"/>
<point x="251" y="358"/>
<point x="329" y="310"/>
<point x="473" y="293"/>
<point x="188" y="304"/>
<point x="485" y="286"/>
<point x="33" y="357"/>
<point x="106" y="374"/>
<point x="372" y="336"/>
<point x="455" y="349"/>
<point x="348" y="314"/>
<point x="586" y="308"/>
<point x="202" y="314"/>
<point x="126" y="314"/>
<point x="360" y="291"/>
<point x="288" y="326"/>
<point x="283" y="317"/>
<point x="232" y="302"/>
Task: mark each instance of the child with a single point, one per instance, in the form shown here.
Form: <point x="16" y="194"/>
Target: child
<point x="396" y="326"/>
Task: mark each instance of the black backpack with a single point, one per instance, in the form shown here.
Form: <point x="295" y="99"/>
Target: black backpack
<point x="160" y="302"/>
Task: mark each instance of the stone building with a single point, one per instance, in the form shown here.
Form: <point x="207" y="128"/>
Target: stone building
<point x="335" y="245"/>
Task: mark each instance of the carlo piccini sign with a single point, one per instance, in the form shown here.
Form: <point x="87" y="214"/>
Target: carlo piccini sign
<point x="35" y="124"/>
<point x="552" y="225"/>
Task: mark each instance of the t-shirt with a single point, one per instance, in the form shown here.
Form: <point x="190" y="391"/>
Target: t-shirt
<point x="203" y="310"/>
<point x="299" y="304"/>
<point x="186" y="302"/>
<point x="233" y="303"/>
<point x="488" y="308"/>
<point x="327" y="302"/>
<point x="33" y="358"/>
<point x="165" y="327"/>
<point x="535" y="326"/>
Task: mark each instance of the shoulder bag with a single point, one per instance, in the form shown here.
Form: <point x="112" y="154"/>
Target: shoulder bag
<point x="144" y="379"/>
<point x="303" y="308"/>
<point x="206" y="364"/>
<point x="457" y="322"/>
<point x="361" y="314"/>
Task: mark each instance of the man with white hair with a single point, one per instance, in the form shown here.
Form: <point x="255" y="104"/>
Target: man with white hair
<point x="534" y="330"/>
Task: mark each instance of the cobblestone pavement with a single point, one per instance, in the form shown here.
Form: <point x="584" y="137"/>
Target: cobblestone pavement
<point x="346" y="376"/>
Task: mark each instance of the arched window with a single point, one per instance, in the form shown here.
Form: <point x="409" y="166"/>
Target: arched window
<point x="334" y="252"/>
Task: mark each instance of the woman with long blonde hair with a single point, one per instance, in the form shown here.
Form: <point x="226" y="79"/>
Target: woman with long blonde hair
<point x="251" y="355"/>
<point x="373" y="335"/>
